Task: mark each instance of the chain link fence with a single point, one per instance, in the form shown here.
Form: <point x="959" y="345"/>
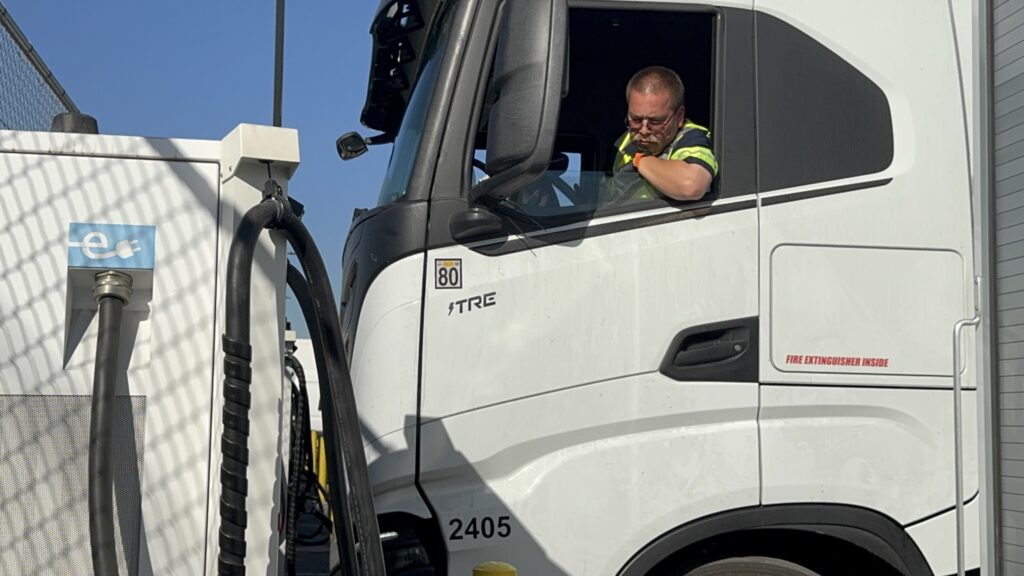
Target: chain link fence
<point x="30" y="95"/>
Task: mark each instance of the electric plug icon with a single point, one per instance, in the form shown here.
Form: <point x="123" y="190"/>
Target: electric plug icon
<point x="127" y="248"/>
<point x="95" y="241"/>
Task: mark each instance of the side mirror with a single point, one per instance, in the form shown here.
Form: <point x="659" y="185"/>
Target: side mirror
<point x="350" y="145"/>
<point x="527" y="86"/>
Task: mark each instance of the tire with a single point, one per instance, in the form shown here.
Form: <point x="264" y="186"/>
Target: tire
<point x="751" y="566"/>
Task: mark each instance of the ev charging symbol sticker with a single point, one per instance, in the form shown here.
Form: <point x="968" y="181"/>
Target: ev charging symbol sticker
<point x="126" y="246"/>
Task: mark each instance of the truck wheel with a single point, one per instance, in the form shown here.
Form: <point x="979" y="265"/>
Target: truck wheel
<point x="751" y="566"/>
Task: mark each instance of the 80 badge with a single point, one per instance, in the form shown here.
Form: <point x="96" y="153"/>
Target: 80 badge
<point x="447" y="273"/>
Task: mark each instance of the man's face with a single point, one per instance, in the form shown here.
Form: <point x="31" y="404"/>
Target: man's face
<point x="652" y="121"/>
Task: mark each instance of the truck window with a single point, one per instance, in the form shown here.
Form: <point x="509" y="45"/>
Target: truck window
<point x="819" y="118"/>
<point x="407" y="144"/>
<point x="603" y="55"/>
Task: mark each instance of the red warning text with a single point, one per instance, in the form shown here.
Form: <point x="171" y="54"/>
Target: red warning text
<point x="855" y="361"/>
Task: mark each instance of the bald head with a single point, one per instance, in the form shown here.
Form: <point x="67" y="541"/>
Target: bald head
<point x="657" y="80"/>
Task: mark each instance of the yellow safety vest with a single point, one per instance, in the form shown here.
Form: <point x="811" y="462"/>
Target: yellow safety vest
<point x="692" y="141"/>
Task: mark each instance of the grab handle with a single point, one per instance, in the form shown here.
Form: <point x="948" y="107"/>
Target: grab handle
<point x="958" y="440"/>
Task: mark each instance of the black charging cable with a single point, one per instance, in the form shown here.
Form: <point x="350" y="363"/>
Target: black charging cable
<point x="112" y="290"/>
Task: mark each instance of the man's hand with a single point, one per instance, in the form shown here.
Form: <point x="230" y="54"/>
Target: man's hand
<point x="674" y="178"/>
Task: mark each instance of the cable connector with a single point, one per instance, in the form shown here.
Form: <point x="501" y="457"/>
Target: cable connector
<point x="113" y="284"/>
<point x="272" y="192"/>
<point x="271" y="189"/>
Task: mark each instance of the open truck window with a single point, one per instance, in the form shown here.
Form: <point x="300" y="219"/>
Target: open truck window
<point x="606" y="47"/>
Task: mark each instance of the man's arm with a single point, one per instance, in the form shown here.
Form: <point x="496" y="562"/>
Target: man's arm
<point x="675" y="178"/>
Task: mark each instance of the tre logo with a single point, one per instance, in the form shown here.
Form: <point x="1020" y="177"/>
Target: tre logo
<point x="472" y="303"/>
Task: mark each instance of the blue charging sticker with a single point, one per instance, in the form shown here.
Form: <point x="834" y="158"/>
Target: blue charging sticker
<point x="92" y="245"/>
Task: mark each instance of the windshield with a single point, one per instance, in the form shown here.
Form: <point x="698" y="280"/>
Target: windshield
<point x="407" y="144"/>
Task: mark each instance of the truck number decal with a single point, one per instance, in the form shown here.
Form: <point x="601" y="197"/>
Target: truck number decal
<point x="482" y="527"/>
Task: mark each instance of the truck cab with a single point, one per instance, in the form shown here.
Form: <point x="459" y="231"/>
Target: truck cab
<point x="761" y="379"/>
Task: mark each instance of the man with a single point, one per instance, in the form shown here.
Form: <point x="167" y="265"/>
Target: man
<point x="661" y="152"/>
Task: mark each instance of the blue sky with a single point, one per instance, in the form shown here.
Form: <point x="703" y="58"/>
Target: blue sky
<point x="195" y="69"/>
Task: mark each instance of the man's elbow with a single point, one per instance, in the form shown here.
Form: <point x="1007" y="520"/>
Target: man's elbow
<point x="689" y="190"/>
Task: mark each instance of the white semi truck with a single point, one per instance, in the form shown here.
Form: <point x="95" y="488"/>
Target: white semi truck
<point x="760" y="382"/>
<point x="812" y="370"/>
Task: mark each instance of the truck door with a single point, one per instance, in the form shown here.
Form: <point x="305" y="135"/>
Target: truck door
<point x="589" y="378"/>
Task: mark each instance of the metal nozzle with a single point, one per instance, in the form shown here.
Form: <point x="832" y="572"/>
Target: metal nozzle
<point x="111" y="283"/>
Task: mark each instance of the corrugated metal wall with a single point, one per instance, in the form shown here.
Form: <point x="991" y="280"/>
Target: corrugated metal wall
<point x="1008" y="112"/>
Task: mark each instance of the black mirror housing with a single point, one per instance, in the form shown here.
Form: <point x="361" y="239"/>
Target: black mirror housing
<point x="475" y="224"/>
<point x="528" y="83"/>
<point x="350" y="145"/>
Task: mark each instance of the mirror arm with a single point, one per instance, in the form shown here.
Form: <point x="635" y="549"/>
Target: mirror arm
<point x="378" y="139"/>
<point x="481" y="194"/>
<point x="353" y="144"/>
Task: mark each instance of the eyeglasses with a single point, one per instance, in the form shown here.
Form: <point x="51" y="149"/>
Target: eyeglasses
<point x="653" y="124"/>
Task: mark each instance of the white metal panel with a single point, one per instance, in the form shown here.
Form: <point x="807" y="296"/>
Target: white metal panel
<point x="845" y="309"/>
<point x="589" y="475"/>
<point x="247" y="158"/>
<point x="927" y="204"/>
<point x="885" y="449"/>
<point x="385" y="358"/>
<point x="584" y="311"/>
<point x="932" y="537"/>
<point x="963" y="28"/>
<point x="304" y="354"/>
<point x="110" y="146"/>
<point x="385" y="376"/>
<point x="392" y="470"/>
<point x="547" y="407"/>
<point x="846" y="438"/>
<point x="41" y="195"/>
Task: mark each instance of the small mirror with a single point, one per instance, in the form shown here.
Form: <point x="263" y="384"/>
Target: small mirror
<point x="350" y="145"/>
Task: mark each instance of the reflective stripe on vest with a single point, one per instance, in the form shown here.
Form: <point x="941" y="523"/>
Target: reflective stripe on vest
<point x="700" y="152"/>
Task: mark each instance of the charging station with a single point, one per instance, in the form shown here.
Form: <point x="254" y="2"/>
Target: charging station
<point x="161" y="213"/>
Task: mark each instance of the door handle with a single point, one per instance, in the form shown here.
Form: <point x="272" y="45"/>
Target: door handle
<point x="732" y="344"/>
<point x="721" y="351"/>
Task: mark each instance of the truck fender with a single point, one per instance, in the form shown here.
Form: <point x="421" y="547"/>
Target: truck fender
<point x="867" y="529"/>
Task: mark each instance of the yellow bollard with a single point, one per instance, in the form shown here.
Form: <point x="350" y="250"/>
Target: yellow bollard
<point x="314" y="442"/>
<point x="494" y="569"/>
<point x="319" y="449"/>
